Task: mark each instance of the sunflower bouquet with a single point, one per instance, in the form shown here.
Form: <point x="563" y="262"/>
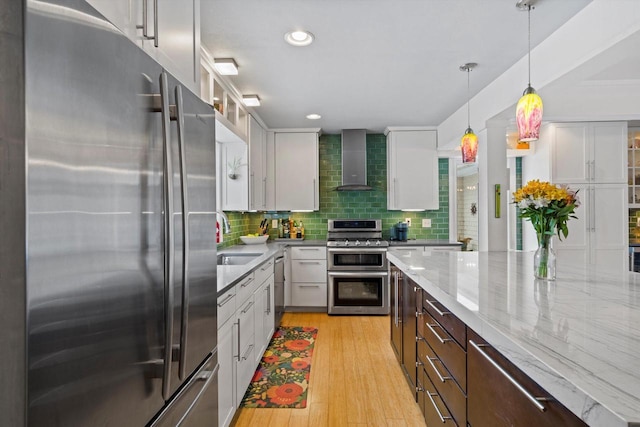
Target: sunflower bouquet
<point x="549" y="207"/>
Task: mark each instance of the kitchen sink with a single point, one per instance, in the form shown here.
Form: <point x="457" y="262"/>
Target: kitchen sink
<point x="236" y="259"/>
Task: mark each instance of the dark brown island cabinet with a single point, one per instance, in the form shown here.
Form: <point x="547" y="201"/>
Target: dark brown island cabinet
<point x="458" y="379"/>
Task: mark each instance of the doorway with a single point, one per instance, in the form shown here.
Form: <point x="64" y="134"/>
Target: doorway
<point x="467" y="205"/>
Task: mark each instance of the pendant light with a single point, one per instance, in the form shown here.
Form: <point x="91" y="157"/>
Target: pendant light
<point x="529" y="108"/>
<point x="469" y="141"/>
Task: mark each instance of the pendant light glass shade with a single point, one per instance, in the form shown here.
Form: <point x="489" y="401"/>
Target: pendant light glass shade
<point x="469" y="141"/>
<point x="529" y="108"/>
<point x="469" y="146"/>
<point x="529" y="115"/>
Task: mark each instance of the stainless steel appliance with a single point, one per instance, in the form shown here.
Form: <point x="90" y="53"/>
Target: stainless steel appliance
<point x="108" y="216"/>
<point x="357" y="272"/>
<point x="278" y="287"/>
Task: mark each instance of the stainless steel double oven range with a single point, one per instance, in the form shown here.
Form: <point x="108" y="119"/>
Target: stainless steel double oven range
<point x="357" y="271"/>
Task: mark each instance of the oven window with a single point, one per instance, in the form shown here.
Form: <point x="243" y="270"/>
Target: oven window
<point x="358" y="259"/>
<point x="351" y="291"/>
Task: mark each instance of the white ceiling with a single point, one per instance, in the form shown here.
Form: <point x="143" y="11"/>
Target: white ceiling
<point x="374" y="63"/>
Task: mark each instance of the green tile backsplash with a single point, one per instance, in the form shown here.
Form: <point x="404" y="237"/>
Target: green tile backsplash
<point x="353" y="204"/>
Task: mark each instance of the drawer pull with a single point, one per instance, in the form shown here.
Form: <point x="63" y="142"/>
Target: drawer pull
<point x="433" y="402"/>
<point x="310" y="262"/>
<point x="247" y="307"/>
<point x="226" y="300"/>
<point x="309" y="249"/>
<point x="532" y="399"/>
<point x="442" y="340"/>
<point x="246" y="353"/>
<point x="266" y="266"/>
<point x="243" y="285"/>
<point x="433" y="365"/>
<point x="308" y="286"/>
<point x="440" y="312"/>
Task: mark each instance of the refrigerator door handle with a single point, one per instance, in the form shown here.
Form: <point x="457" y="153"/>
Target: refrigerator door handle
<point x="185" y="234"/>
<point x="168" y="236"/>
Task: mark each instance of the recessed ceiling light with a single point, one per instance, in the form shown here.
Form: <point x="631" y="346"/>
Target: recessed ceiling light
<point x="299" y="38"/>
<point x="225" y="66"/>
<point x="251" y="100"/>
<point x="314" y="116"/>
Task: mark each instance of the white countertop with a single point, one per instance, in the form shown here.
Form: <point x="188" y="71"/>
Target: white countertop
<point x="229" y="274"/>
<point x="578" y="337"/>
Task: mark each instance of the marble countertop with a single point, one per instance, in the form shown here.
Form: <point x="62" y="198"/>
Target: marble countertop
<point x="423" y="242"/>
<point x="578" y="337"/>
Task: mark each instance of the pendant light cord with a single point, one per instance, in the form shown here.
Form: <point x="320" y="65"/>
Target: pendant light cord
<point x="529" y="26"/>
<point x="468" y="99"/>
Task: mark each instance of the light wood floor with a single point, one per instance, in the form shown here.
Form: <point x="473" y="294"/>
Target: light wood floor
<point x="355" y="378"/>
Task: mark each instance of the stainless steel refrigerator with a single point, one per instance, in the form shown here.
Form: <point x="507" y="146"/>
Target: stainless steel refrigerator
<point x="107" y="208"/>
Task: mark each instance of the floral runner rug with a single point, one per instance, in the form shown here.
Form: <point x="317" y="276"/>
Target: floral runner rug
<point x="282" y="378"/>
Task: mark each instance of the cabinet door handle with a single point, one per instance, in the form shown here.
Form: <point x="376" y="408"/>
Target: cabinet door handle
<point x="433" y="365"/>
<point x="155" y="23"/>
<point x="442" y="340"/>
<point x="395" y="192"/>
<point x="593" y="170"/>
<point x="269" y="299"/>
<point x="529" y="396"/>
<point x="264" y="193"/>
<point x="238" y="323"/>
<point x="246" y="353"/>
<point x="440" y="312"/>
<point x="253" y="191"/>
<point x="593" y="209"/>
<point x="433" y="402"/>
<point x="226" y="300"/>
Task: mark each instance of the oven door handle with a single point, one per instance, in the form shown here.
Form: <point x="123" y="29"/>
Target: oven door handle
<point x="357" y="249"/>
<point x="358" y="273"/>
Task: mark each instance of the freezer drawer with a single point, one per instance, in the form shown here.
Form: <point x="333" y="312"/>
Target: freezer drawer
<point x="196" y="404"/>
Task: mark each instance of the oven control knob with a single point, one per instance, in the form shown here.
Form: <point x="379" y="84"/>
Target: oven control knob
<point x="377" y="242"/>
<point x="367" y="243"/>
<point x="346" y="242"/>
<point x="357" y="242"/>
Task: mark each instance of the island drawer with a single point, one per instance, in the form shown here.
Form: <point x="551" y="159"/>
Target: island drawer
<point x="444" y="382"/>
<point x="454" y="326"/>
<point x="435" y="411"/>
<point x="500" y="394"/>
<point x="452" y="355"/>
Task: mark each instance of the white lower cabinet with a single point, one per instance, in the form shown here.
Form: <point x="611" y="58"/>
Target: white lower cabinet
<point x="226" y="374"/>
<point x="309" y="276"/>
<point x="246" y="319"/>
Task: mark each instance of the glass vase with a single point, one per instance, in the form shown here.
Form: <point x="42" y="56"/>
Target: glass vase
<point x="544" y="260"/>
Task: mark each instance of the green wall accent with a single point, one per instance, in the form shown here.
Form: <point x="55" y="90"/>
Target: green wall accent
<point x="353" y="204"/>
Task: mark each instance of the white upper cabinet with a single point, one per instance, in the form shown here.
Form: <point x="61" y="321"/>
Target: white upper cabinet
<point x="175" y="43"/>
<point x="232" y="169"/>
<point x="296" y="170"/>
<point x="126" y="15"/>
<point x="257" y="166"/>
<point x="594" y="152"/>
<point x="412" y="169"/>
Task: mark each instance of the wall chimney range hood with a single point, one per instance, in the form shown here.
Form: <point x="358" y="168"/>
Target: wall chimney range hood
<point x="354" y="161"/>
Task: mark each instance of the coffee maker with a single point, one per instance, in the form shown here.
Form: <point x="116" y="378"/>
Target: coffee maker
<point x="400" y="231"/>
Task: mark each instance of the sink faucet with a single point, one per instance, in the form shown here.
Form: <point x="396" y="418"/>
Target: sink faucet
<point x="225" y="222"/>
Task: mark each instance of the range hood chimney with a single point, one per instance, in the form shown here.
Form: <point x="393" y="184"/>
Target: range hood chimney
<point x="354" y="161"/>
